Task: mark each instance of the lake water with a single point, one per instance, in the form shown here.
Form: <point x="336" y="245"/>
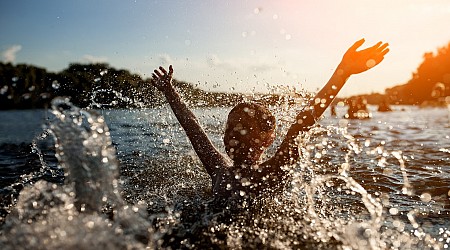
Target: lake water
<point x="380" y="183"/>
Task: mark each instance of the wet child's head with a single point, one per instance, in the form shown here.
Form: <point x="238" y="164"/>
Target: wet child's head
<point x="250" y="129"/>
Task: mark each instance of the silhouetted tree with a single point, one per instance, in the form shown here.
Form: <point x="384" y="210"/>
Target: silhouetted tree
<point x="434" y="69"/>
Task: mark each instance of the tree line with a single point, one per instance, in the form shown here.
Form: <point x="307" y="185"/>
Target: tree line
<point x="429" y="82"/>
<point x="102" y="86"/>
<point x="97" y="86"/>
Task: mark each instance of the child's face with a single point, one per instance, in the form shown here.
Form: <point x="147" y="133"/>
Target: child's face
<point x="244" y="141"/>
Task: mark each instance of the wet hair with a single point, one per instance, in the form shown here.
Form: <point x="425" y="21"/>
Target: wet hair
<point x="249" y="110"/>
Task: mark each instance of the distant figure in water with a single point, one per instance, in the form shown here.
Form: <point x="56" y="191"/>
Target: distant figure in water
<point x="358" y="109"/>
<point x="250" y="129"/>
<point x="383" y="106"/>
<point x="333" y="110"/>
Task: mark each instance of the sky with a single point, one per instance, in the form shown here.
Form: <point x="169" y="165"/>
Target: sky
<point x="234" y="45"/>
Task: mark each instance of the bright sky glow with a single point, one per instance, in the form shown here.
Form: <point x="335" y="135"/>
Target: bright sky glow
<point x="232" y="45"/>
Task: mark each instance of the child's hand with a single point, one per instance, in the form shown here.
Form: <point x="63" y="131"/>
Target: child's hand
<point x="355" y="62"/>
<point x="162" y="80"/>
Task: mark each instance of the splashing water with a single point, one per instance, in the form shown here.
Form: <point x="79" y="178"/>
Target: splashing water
<point x="131" y="194"/>
<point x="93" y="168"/>
<point x="49" y="216"/>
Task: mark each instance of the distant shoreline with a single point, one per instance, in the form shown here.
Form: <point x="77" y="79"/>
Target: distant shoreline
<point x="95" y="85"/>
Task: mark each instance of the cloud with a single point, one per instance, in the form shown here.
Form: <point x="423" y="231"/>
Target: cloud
<point x="94" y="59"/>
<point x="9" y="55"/>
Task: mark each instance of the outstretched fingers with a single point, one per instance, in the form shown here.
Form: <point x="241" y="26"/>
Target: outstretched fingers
<point x="157" y="73"/>
<point x="163" y="70"/>
<point x="379" y="50"/>
<point x="377" y="45"/>
<point x="383" y="46"/>
<point x="357" y="61"/>
<point x="170" y="70"/>
<point x="381" y="54"/>
<point x="383" y="50"/>
<point x="161" y="78"/>
<point x="356" y="45"/>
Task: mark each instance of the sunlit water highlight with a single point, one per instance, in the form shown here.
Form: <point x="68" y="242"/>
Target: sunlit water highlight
<point x="133" y="181"/>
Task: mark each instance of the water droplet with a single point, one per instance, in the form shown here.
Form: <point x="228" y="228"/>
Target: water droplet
<point x="425" y="197"/>
<point x="245" y="182"/>
<point x="90" y="224"/>
<point x="393" y="210"/>
<point x="56" y="84"/>
<point x="370" y="63"/>
<point x="3" y="89"/>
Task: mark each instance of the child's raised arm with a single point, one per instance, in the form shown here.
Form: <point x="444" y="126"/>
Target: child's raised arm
<point x="353" y="62"/>
<point x="208" y="154"/>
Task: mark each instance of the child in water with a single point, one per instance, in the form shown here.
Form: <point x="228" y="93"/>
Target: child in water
<point x="250" y="129"/>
